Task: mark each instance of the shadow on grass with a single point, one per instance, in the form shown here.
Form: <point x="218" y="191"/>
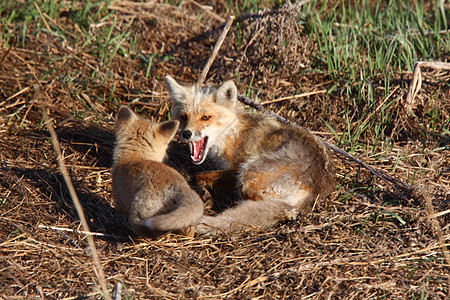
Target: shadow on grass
<point x="101" y="216"/>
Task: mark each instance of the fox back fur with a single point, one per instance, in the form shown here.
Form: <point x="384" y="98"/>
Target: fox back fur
<point x="155" y="197"/>
<point x="280" y="170"/>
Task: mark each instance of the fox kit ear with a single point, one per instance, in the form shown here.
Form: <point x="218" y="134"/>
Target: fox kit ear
<point x="124" y="115"/>
<point x="168" y="128"/>
<point x="226" y="93"/>
<point x="178" y="93"/>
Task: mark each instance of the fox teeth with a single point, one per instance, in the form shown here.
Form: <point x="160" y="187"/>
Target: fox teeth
<point x="198" y="150"/>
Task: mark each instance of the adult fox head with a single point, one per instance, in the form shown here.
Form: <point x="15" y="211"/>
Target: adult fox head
<point x="206" y="116"/>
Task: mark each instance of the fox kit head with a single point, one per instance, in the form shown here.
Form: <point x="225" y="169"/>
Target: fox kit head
<point x="141" y="138"/>
<point x="206" y="116"/>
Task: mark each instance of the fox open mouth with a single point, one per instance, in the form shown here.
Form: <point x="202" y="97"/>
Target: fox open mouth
<point x="199" y="150"/>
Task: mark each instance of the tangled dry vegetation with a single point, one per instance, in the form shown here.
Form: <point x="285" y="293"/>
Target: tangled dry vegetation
<point x="368" y="240"/>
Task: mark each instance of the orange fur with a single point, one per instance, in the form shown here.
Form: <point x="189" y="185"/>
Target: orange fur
<point x="284" y="168"/>
<point x="155" y="197"/>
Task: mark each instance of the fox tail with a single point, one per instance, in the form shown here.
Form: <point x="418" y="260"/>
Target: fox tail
<point x="248" y="214"/>
<point x="188" y="212"/>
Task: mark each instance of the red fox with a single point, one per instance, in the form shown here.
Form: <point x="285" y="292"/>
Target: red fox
<point x="280" y="170"/>
<point x="155" y="197"/>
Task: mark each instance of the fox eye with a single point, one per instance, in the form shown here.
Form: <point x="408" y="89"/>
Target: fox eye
<point x="205" y="118"/>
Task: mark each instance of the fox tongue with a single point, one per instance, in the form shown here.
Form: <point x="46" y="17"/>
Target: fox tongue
<point x="198" y="149"/>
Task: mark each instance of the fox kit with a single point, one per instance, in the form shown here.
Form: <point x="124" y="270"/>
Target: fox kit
<point x="280" y="170"/>
<point x="155" y="197"/>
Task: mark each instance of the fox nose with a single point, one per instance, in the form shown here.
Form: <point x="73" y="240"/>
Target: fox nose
<point x="186" y="134"/>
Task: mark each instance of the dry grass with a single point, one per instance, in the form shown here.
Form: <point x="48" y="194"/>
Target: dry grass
<point x="368" y="240"/>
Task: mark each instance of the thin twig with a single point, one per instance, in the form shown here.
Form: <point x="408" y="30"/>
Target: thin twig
<point x="6" y="53"/>
<point x="99" y="234"/>
<point x="336" y="149"/>
<point x="244" y="54"/>
<point x="118" y="291"/>
<point x="207" y="10"/>
<point x="219" y="43"/>
<point x="294" y="97"/>
<point x="63" y="169"/>
<point x="380" y="174"/>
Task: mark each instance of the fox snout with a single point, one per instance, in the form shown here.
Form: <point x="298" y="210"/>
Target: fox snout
<point x="190" y="135"/>
<point x="198" y="144"/>
<point x="186" y="134"/>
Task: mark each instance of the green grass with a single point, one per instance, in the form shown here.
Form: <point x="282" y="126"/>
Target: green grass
<point x="88" y="29"/>
<point x="94" y="29"/>
<point x="371" y="43"/>
<point x="360" y="44"/>
<point x="360" y="48"/>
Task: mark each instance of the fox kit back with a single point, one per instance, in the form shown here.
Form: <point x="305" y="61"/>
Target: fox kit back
<point x="155" y="197"/>
<point x="280" y="170"/>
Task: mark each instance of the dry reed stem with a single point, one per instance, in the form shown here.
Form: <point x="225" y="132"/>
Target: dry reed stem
<point x="118" y="291"/>
<point x="416" y="81"/>
<point x="244" y="53"/>
<point x="98" y="270"/>
<point x="42" y="17"/>
<point x="207" y="10"/>
<point x="78" y="231"/>
<point x="380" y="174"/>
<point x="216" y="49"/>
<point x="294" y="97"/>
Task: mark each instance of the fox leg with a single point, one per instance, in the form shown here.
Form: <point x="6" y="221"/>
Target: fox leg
<point x="275" y="182"/>
<point x="246" y="215"/>
<point x="266" y="203"/>
<point x="250" y="214"/>
<point x="222" y="179"/>
<point x="218" y="179"/>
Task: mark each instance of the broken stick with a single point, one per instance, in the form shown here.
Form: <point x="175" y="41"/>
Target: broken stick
<point x="214" y="53"/>
<point x="336" y="149"/>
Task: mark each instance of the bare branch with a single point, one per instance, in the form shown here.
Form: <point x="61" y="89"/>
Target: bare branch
<point x="214" y="53"/>
<point x="63" y="169"/>
<point x="378" y="173"/>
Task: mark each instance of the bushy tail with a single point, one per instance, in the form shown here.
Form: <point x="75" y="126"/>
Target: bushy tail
<point x="248" y="214"/>
<point x="189" y="212"/>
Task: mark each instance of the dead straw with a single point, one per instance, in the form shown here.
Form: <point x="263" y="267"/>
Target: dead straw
<point x="98" y="270"/>
<point x="437" y="229"/>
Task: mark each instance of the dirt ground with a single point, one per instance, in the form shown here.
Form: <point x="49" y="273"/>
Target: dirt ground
<point x="368" y="240"/>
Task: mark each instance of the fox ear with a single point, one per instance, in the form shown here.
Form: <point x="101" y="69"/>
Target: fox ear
<point x="226" y="93"/>
<point x="124" y="115"/>
<point x="168" y="128"/>
<point x="178" y="93"/>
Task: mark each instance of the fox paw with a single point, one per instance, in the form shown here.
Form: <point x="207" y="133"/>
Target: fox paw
<point x="188" y="231"/>
<point x="205" y="179"/>
<point x="207" y="199"/>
